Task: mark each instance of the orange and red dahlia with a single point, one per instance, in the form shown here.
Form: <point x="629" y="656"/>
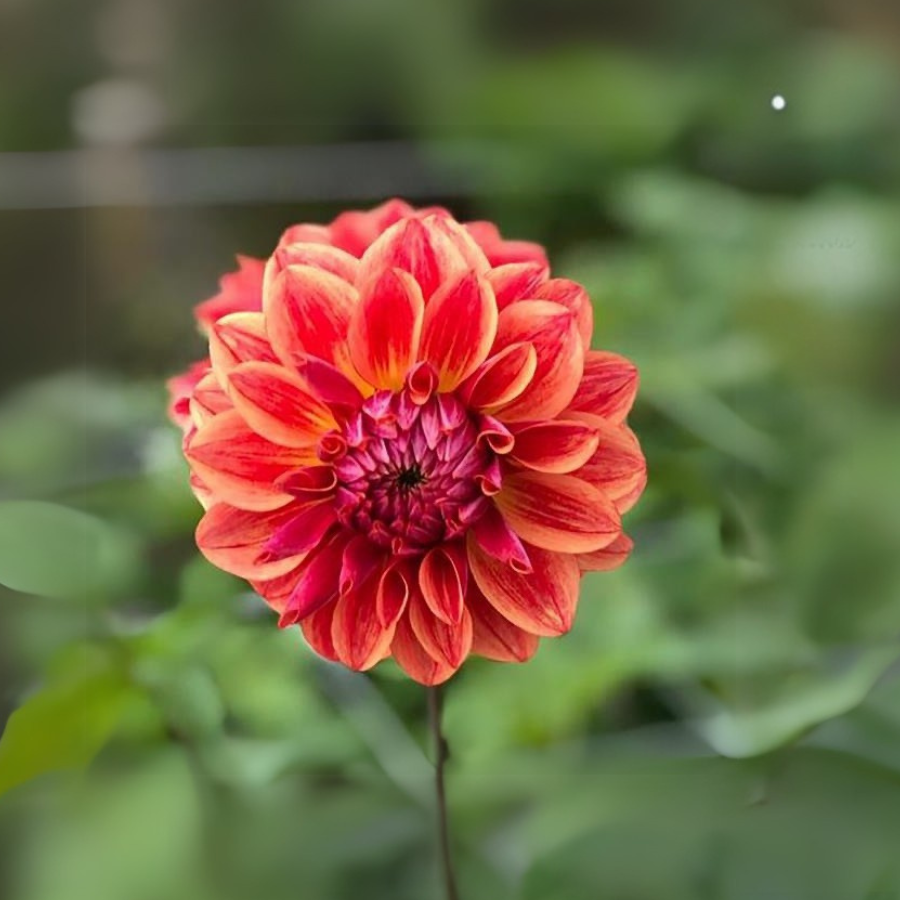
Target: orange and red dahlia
<point x="403" y="441"/>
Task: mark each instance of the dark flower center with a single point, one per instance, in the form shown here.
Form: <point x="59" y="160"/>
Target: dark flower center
<point x="412" y="474"/>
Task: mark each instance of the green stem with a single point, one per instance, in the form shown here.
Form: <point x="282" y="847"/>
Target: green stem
<point x="435" y="705"/>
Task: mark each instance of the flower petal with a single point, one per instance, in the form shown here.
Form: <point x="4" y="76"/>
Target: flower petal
<point x="553" y="331"/>
<point x="361" y="638"/>
<point x="517" y="281"/>
<point x="496" y="538"/>
<point x="278" y="404"/>
<point x="575" y="298"/>
<point x="447" y="643"/>
<point x="238" y="465"/>
<point x="385" y="329"/>
<point x="558" y="446"/>
<point x="459" y="328"/>
<point x="232" y="538"/>
<point x="317" y="582"/>
<point x="354" y="230"/>
<point x="542" y="602"/>
<point x="608" y="386"/>
<point x="239" y="291"/>
<point x="208" y="399"/>
<point x="308" y="312"/>
<point x="317" y="631"/>
<point x="500" y="378"/>
<point x="500" y="251"/>
<point x="443" y="577"/>
<point x="319" y="256"/>
<point x="302" y="533"/>
<point x="607" y="558"/>
<point x="618" y="467"/>
<point x="392" y="594"/>
<point x="361" y="559"/>
<point x="494" y="636"/>
<point x="239" y="337"/>
<point x="414" y="659"/>
<point x="558" y="512"/>
<point x="418" y="247"/>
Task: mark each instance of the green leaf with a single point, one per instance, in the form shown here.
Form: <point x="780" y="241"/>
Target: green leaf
<point x="61" y="727"/>
<point x="54" y="551"/>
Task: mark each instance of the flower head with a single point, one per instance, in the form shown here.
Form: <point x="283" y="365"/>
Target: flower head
<point x="403" y="441"/>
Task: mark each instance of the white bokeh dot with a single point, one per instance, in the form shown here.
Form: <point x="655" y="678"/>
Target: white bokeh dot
<point x="778" y="102"/>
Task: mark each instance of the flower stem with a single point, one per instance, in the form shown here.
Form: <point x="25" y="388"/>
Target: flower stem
<point x="435" y="706"/>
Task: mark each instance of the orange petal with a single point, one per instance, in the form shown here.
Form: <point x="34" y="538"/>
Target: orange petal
<point x="278" y="405"/>
<point x="232" y="539"/>
<point x="494" y="636"/>
<point x="441" y="222"/>
<point x="557" y="447"/>
<point x="414" y="659"/>
<point x="385" y="329"/>
<point x="500" y="378"/>
<point x="308" y="311"/>
<point x="608" y="386"/>
<point x="618" y="467"/>
<point x="575" y="298"/>
<point x="360" y="637"/>
<point x="319" y="256"/>
<point x="447" y="643"/>
<point x="317" y="580"/>
<point x="542" y="602"/>
<point x="238" y="465"/>
<point x="443" y="576"/>
<point x="392" y="594"/>
<point x="553" y="331"/>
<point x="459" y="329"/>
<point x="317" y="631"/>
<point x="417" y="247"/>
<point x="355" y="230"/>
<point x="208" y="399"/>
<point x="558" y="512"/>
<point x="607" y="558"/>
<point x="239" y="337"/>
<point x="517" y="281"/>
<point x="499" y="251"/>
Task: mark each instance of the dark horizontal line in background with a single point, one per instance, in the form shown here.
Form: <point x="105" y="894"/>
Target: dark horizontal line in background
<point x="225" y="175"/>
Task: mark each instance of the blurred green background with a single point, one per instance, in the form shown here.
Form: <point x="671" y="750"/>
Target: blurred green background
<point x="723" y="723"/>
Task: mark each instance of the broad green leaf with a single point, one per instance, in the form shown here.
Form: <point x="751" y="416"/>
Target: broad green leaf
<point x="55" y="551"/>
<point x="61" y="727"/>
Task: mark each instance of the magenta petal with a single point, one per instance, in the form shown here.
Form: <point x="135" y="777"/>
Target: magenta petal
<point x="496" y="538"/>
<point x="330" y="385"/>
<point x="361" y="558"/>
<point x="301" y="533"/>
<point x="317" y="584"/>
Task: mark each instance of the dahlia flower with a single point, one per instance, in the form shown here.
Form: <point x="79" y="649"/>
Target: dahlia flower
<point x="404" y="443"/>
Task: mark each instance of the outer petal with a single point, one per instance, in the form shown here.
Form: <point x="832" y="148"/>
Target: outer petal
<point x="319" y="256"/>
<point x="276" y="591"/>
<point x="208" y="399"/>
<point x="278" y="405"/>
<point x="385" y="329"/>
<point x="448" y="644"/>
<point x="238" y="465"/>
<point x="417" y="247"/>
<point x="317" y="631"/>
<point x="618" y="466"/>
<point x="610" y="557"/>
<point x="499" y="251"/>
<point x="558" y="512"/>
<point x="355" y="231"/>
<point x="360" y="636"/>
<point x="575" y="298"/>
<point x="232" y="539"/>
<point x="553" y="331"/>
<point x="494" y="636"/>
<point x="542" y="602"/>
<point x="608" y="386"/>
<point x="501" y="378"/>
<point x="557" y="447"/>
<point x="180" y="388"/>
<point x="303" y="533"/>
<point x="459" y="329"/>
<point x="443" y="578"/>
<point x="517" y="281"/>
<point x="239" y="291"/>
<point x="308" y="311"/>
<point x="414" y="659"/>
<point x="317" y="582"/>
<point x="239" y="337"/>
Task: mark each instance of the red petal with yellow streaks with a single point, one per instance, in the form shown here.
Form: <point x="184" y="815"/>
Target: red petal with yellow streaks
<point x="557" y="447"/>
